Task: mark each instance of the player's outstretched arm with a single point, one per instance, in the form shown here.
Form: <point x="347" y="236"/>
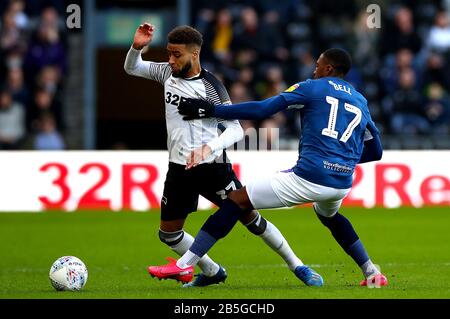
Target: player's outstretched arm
<point x="254" y="110"/>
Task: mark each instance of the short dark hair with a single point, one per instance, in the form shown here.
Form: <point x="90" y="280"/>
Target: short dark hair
<point x="185" y="35"/>
<point x="339" y="59"/>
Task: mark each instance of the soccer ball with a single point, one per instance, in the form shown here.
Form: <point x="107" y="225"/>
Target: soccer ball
<point x="68" y="273"/>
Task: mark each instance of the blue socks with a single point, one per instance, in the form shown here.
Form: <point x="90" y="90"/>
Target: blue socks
<point x="342" y="230"/>
<point x="216" y="227"/>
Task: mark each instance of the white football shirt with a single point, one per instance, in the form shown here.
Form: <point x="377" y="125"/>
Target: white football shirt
<point x="185" y="136"/>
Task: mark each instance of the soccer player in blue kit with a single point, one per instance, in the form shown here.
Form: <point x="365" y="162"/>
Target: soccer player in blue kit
<point x="337" y="134"/>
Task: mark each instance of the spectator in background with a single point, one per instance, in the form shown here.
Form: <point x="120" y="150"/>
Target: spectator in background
<point x="305" y="66"/>
<point x="272" y="31"/>
<point x="273" y="85"/>
<point x="50" y="17"/>
<point x="17" y="8"/>
<point x="394" y="65"/>
<point x="13" y="59"/>
<point x="439" y="36"/>
<point x="46" y="49"/>
<point x="364" y="42"/>
<point x="12" y="121"/>
<point x="247" y="77"/>
<point x="222" y="36"/>
<point x="12" y="38"/>
<point x="436" y="70"/>
<point x="239" y="93"/>
<point x="248" y="39"/>
<point x="47" y="137"/>
<point x="403" y="35"/>
<point x="35" y="7"/>
<point x="205" y="17"/>
<point x="45" y="102"/>
<point x="437" y="108"/>
<point x="16" y="86"/>
<point x="33" y="60"/>
<point x="49" y="78"/>
<point x="405" y="107"/>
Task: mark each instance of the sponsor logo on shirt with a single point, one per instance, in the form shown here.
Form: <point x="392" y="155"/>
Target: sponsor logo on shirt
<point x="292" y="88"/>
<point x="337" y="167"/>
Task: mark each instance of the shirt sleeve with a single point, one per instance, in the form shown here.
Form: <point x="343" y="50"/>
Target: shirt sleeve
<point x="372" y="151"/>
<point x="134" y="65"/>
<point x="233" y="133"/>
<point x="371" y="130"/>
<point x="253" y="110"/>
<point x="299" y="93"/>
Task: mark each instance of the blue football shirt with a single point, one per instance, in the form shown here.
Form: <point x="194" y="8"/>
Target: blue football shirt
<point x="334" y="119"/>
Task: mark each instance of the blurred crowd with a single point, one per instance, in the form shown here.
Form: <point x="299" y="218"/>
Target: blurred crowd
<point x="33" y="63"/>
<point x="260" y="48"/>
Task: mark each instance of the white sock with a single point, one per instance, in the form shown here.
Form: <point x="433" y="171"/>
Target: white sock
<point x="206" y="264"/>
<point x="188" y="259"/>
<point x="275" y="240"/>
<point x="369" y="269"/>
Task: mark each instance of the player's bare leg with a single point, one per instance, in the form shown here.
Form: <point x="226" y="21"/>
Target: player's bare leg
<point x="172" y="234"/>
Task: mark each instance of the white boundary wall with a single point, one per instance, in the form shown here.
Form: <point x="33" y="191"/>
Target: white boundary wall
<point x="38" y="181"/>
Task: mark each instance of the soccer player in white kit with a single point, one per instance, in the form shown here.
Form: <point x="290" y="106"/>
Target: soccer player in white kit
<point x="197" y="160"/>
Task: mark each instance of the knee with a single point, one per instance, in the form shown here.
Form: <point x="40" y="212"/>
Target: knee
<point x="258" y="225"/>
<point x="324" y="217"/>
<point x="234" y="196"/>
<point x="240" y="198"/>
<point x="171" y="238"/>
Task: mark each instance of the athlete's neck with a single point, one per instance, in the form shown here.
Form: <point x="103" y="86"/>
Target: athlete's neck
<point x="337" y="75"/>
<point x="194" y="71"/>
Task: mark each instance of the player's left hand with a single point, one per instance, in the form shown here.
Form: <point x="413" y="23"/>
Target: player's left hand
<point x="198" y="155"/>
<point x="195" y="109"/>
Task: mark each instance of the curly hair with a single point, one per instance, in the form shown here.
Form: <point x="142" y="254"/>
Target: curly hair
<point x="185" y="35"/>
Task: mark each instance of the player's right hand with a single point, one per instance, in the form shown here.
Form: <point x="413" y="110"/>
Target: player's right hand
<point x="198" y="155"/>
<point x="195" y="109"/>
<point x="143" y="36"/>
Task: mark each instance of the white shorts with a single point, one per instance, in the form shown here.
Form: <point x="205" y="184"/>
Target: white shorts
<point x="285" y="189"/>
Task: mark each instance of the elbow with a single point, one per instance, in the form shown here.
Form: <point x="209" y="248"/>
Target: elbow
<point x="379" y="154"/>
<point x="379" y="150"/>
<point x="127" y="69"/>
<point x="128" y="66"/>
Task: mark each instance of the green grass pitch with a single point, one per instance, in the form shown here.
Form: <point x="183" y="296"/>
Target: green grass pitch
<point x="411" y="246"/>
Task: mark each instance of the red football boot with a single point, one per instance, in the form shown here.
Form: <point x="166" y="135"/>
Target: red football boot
<point x="376" y="281"/>
<point x="172" y="271"/>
